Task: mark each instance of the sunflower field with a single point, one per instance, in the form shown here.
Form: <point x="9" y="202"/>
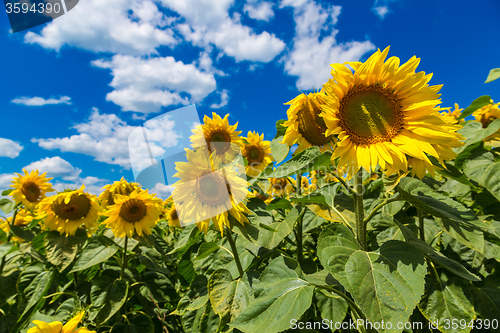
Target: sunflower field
<point x="373" y="209"/>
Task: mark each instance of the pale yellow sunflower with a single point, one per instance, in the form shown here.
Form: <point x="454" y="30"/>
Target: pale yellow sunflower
<point x="281" y="187"/>
<point x="137" y="213"/>
<point x="452" y="116"/>
<point x="57" y="326"/>
<point x="305" y="125"/>
<point x="258" y="153"/>
<point x="67" y="211"/>
<point x="385" y="114"/>
<point x="208" y="190"/>
<point x="121" y="187"/>
<point x="31" y="188"/>
<point x="220" y="137"/>
<point x="486" y="115"/>
<point x="23" y="218"/>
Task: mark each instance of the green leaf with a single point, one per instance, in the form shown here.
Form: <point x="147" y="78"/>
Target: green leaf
<point x="37" y="289"/>
<point x="446" y="301"/>
<point x="331" y="307"/>
<point x="493" y="75"/>
<point x="229" y="298"/>
<point x="5" y="248"/>
<point x="20" y="232"/>
<point x="487" y="299"/>
<point x="475" y="133"/>
<point x="306" y="160"/>
<point x="468" y="235"/>
<point x="484" y="171"/>
<point x="206" y="249"/>
<point x="476" y="104"/>
<point x="284" y="296"/>
<point x="420" y="195"/>
<point x="108" y="296"/>
<point x="386" y="285"/>
<point x="7" y="192"/>
<point x="61" y="250"/>
<point x="437" y="257"/>
<point x="97" y="250"/>
<point x="157" y="286"/>
<point x="279" y="203"/>
<point x="6" y="205"/>
<point x="279" y="150"/>
<point x="280" y="129"/>
<point x="140" y="323"/>
<point x="270" y="239"/>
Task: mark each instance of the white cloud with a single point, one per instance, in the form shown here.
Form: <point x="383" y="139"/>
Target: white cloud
<point x="145" y="85"/>
<point x="259" y="11"/>
<point x="9" y="148"/>
<point x="381" y="7"/>
<point x="105" y="137"/>
<point x="381" y="11"/>
<point x="208" y="23"/>
<point x="118" y="26"/>
<point x="39" y="101"/>
<point x="6" y="181"/>
<point x="161" y="190"/>
<point x="224" y="98"/>
<point x="312" y="52"/>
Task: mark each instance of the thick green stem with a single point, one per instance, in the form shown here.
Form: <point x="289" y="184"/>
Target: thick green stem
<point x="359" y="210"/>
<point x="9" y="237"/>
<point x="235" y="251"/>
<point x="124" y="257"/>
<point x="299" y="232"/>
<point x="421" y="224"/>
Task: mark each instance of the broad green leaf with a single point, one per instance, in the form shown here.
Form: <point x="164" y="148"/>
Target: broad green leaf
<point x="97" y="250"/>
<point x="280" y="129"/>
<point x="206" y="249"/>
<point x="448" y="300"/>
<point x="157" y="286"/>
<point x="279" y="203"/>
<point x="140" y="323"/>
<point x="279" y="150"/>
<point x="37" y="289"/>
<point x="476" y="104"/>
<point x="23" y="233"/>
<point x="5" y="248"/>
<point x="386" y="285"/>
<point x="420" y="195"/>
<point x="475" y="133"/>
<point x="61" y="250"/>
<point x="284" y="296"/>
<point x="271" y="239"/>
<point x="331" y="307"/>
<point x="486" y="172"/>
<point x="7" y="192"/>
<point x="469" y="236"/>
<point x="449" y="264"/>
<point x="487" y="298"/>
<point x="189" y="235"/>
<point x="108" y="296"/>
<point x="493" y="75"/>
<point x="6" y="205"/>
<point x="201" y="320"/>
<point x="306" y="160"/>
<point x="229" y="298"/>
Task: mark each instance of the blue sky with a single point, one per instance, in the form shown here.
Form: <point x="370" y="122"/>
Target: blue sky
<point x="73" y="89"/>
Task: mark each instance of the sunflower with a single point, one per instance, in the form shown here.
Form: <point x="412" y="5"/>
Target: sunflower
<point x="31" y="188"/>
<point x="208" y="191"/>
<point x="386" y="114"/>
<point x="452" y="116"/>
<point x="221" y="138"/>
<point x="281" y="187"/>
<point x="257" y="152"/>
<point x="486" y="115"/>
<point x="305" y="125"/>
<point x="170" y="213"/>
<point x="57" y="326"/>
<point x="67" y="211"/>
<point x="121" y="187"/>
<point x="137" y="212"/>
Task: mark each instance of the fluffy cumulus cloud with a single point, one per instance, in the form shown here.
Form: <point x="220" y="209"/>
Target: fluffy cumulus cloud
<point x="9" y="148"/>
<point x="6" y="180"/>
<point x="145" y="85"/>
<point x="315" y="46"/>
<point x="39" y="101"/>
<point x="223" y="31"/>
<point x="259" y="10"/>
<point x="161" y="190"/>
<point x="106" y="138"/>
<point x="118" y="26"/>
<point x="381" y="7"/>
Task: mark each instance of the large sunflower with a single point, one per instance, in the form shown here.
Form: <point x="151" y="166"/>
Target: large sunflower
<point x="208" y="191"/>
<point x="257" y="152"/>
<point x="57" y="326"/>
<point x="121" y="187"/>
<point x="304" y="125"/>
<point x="386" y="114"/>
<point x="221" y="138"/>
<point x="137" y="212"/>
<point x="31" y="188"/>
<point x="67" y="211"/>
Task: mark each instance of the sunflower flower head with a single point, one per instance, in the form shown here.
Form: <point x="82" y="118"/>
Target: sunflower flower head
<point x="170" y="213"/>
<point x="452" y="116"/>
<point x="281" y="187"/>
<point x="386" y="114"/>
<point x="30" y="188"/>
<point x="57" y="326"/>
<point x="136" y="213"/>
<point x="121" y="187"/>
<point x="209" y="190"/>
<point x="257" y="152"/>
<point x="305" y="125"/>
<point x="67" y="211"/>
<point x="23" y="218"/>
<point x="486" y="115"/>
<point x="221" y="138"/>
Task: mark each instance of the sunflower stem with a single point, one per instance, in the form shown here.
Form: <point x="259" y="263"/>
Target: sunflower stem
<point x="300" y="251"/>
<point x="359" y="210"/>
<point x="9" y="237"/>
<point x="124" y="258"/>
<point x="235" y="251"/>
<point x="421" y="224"/>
